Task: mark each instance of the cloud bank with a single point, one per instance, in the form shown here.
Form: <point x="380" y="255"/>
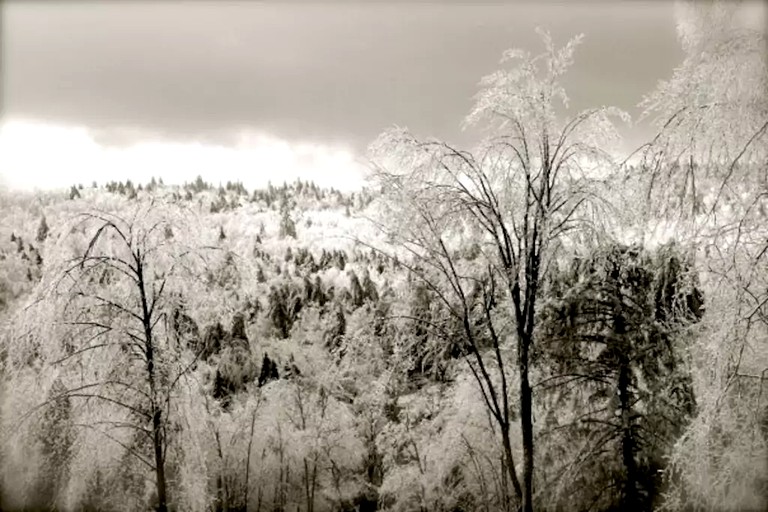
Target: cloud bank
<point x="45" y="156"/>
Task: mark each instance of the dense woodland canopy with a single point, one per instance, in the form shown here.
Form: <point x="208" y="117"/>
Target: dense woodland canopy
<point x="531" y="324"/>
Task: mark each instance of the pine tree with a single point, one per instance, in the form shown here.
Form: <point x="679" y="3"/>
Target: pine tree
<point x="369" y="287"/>
<point x="614" y="330"/>
<point x="318" y="295"/>
<point x="238" y="328"/>
<point x="355" y="290"/>
<point x="287" y="225"/>
<point x="279" y="312"/>
<point x="335" y="334"/>
<point x="268" y="371"/>
<point x="42" y="230"/>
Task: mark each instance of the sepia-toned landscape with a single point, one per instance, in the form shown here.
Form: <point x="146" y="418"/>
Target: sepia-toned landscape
<point x="550" y="308"/>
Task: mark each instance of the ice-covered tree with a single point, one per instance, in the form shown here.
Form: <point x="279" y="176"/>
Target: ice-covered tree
<point x="615" y="332"/>
<point x="712" y="114"/>
<point x="707" y="167"/>
<point x="42" y="230"/>
<point x="517" y="195"/>
<point x="99" y="331"/>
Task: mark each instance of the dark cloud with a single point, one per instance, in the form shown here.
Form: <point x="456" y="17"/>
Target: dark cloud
<point x="335" y="73"/>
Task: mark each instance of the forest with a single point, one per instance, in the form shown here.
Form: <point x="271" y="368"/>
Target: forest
<point x="532" y="324"/>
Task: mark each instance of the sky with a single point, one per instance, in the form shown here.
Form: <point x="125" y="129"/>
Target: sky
<point x="274" y="91"/>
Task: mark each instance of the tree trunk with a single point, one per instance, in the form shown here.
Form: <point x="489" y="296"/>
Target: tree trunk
<point x="157" y="439"/>
<point x="524" y="313"/>
<point x="627" y="441"/>
<point x="511" y="462"/>
<point x="157" y="418"/>
<point x="526" y="424"/>
<point x="248" y="461"/>
<point x="629" y="498"/>
<point x="309" y="486"/>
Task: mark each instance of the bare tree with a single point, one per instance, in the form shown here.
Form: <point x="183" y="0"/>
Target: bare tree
<point x="110" y="344"/>
<point x="532" y="184"/>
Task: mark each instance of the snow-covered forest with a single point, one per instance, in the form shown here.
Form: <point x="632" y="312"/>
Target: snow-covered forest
<point x="537" y="323"/>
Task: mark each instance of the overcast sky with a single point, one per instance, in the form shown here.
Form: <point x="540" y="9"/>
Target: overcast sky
<point x="274" y="90"/>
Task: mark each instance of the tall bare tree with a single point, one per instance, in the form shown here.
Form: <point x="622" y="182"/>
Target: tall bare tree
<point x="531" y="185"/>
